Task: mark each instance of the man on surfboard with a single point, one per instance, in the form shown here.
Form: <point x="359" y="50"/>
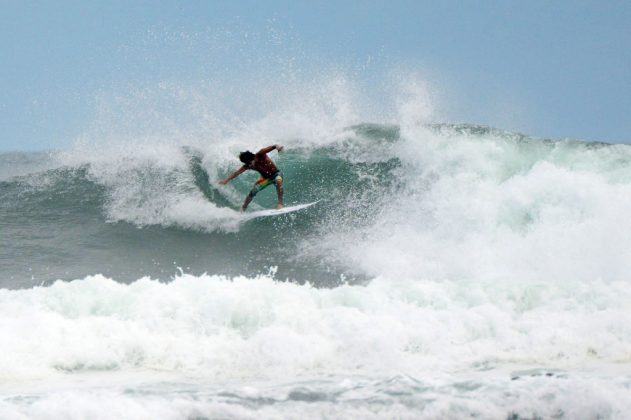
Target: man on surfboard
<point x="270" y="174"/>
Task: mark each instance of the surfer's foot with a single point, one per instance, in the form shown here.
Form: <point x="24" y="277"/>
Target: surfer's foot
<point x="279" y="206"/>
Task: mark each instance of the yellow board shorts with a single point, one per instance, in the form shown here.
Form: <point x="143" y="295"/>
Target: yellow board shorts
<point x="263" y="183"/>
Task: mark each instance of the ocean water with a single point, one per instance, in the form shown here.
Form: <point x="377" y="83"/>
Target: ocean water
<point x="448" y="271"/>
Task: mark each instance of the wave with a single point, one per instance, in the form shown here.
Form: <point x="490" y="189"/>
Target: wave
<point x="168" y="190"/>
<point x="427" y="202"/>
<point x="448" y="271"/>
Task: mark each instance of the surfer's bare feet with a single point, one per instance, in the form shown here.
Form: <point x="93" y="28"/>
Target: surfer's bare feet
<point x="279" y="206"/>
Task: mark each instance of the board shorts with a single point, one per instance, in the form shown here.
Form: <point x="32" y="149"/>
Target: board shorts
<point x="263" y="183"/>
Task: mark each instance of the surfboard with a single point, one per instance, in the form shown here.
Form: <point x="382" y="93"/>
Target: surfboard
<point x="275" y="212"/>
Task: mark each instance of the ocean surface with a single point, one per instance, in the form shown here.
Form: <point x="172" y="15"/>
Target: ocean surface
<point x="448" y="271"/>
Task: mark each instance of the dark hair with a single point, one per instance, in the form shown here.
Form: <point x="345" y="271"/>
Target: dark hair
<point x="246" y="157"/>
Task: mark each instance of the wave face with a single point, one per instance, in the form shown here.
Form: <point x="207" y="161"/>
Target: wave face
<point x="453" y="271"/>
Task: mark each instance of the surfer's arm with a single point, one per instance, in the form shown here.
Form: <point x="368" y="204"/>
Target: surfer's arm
<point x="234" y="175"/>
<point x="268" y="149"/>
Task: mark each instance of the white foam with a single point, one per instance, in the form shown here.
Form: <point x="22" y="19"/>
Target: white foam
<point x="400" y="397"/>
<point x="233" y="332"/>
<point x="258" y="328"/>
<point x="476" y="207"/>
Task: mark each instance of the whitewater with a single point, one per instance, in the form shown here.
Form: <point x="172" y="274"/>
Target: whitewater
<point x="448" y="271"/>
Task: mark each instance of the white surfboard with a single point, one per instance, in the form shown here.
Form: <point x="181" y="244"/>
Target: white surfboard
<point x="275" y="212"/>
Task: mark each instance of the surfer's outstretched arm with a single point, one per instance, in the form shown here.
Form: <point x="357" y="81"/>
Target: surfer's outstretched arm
<point x="268" y="149"/>
<point x="234" y="175"/>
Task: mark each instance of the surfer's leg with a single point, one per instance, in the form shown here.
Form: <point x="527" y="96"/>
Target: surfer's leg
<point x="247" y="201"/>
<point x="279" y="190"/>
<point x="258" y="186"/>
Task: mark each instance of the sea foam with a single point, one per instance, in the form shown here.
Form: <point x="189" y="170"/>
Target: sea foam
<point x="246" y="347"/>
<point x="260" y="328"/>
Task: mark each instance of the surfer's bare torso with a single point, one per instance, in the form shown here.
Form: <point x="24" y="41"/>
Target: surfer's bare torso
<point x="263" y="164"/>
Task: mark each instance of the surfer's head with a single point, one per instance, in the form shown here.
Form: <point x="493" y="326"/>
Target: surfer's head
<point x="246" y="157"/>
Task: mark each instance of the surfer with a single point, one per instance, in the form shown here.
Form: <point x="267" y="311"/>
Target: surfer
<point x="270" y="174"/>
